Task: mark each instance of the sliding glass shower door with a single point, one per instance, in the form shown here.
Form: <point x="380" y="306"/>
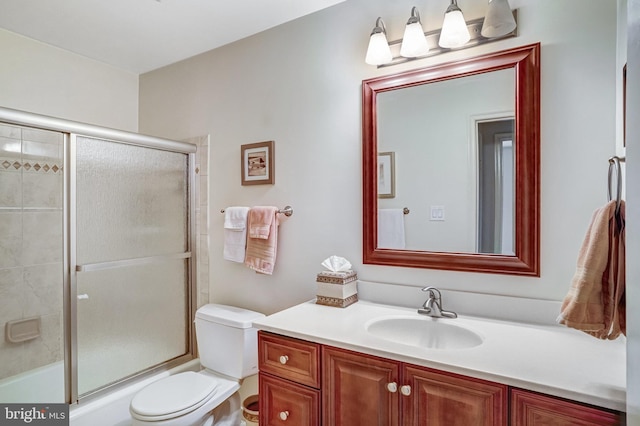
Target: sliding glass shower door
<point x="131" y="257"/>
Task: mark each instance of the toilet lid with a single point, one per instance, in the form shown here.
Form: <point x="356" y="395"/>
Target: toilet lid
<point x="174" y="395"/>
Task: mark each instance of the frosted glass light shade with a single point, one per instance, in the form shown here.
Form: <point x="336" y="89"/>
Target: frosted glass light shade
<point x="414" y="43"/>
<point x="454" y="30"/>
<point x="378" y="52"/>
<point x="499" y="20"/>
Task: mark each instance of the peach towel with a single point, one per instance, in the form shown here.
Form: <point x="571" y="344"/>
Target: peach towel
<point x="262" y="241"/>
<point x="595" y="302"/>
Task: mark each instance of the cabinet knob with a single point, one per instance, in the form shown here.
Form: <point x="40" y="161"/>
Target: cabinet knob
<point x="283" y="359"/>
<point x="284" y="415"/>
<point x="392" y="387"/>
<point x="405" y="390"/>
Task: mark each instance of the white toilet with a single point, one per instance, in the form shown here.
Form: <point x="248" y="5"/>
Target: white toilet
<point x="228" y="349"/>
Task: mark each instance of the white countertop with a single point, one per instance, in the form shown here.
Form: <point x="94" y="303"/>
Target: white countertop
<point x="551" y="359"/>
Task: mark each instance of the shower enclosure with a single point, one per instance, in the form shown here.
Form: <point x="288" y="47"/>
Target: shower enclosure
<point x="96" y="257"/>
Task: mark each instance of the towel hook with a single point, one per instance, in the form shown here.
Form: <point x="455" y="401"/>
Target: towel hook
<point x="614" y="163"/>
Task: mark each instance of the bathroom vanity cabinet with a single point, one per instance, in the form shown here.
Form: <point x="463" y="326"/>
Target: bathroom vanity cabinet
<point x="359" y="389"/>
<point x="309" y="384"/>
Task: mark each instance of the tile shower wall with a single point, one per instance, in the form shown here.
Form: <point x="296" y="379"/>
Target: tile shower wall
<point x="202" y="217"/>
<point x="31" y="244"/>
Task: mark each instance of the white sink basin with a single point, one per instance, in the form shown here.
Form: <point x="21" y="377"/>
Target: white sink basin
<point x="424" y="332"/>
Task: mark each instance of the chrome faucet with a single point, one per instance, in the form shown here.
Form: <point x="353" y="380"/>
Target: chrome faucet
<point x="433" y="305"/>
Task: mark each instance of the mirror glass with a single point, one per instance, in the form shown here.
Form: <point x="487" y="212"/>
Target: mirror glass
<point x="452" y="168"/>
<point x="451" y="165"/>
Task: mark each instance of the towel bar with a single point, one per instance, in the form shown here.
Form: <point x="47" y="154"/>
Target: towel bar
<point x="287" y="211"/>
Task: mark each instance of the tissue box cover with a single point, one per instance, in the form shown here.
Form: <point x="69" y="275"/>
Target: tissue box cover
<point x="336" y="302"/>
<point x="337" y="277"/>
<point x="338" y="291"/>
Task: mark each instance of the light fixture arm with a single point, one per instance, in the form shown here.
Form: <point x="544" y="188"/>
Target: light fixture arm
<point x="453" y="7"/>
<point x="379" y="28"/>
<point x="415" y="16"/>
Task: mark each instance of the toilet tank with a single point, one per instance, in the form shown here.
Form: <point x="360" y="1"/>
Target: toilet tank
<point x="227" y="341"/>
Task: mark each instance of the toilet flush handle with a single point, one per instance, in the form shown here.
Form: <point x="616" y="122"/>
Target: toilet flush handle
<point x="284" y="415"/>
<point x="283" y="359"/>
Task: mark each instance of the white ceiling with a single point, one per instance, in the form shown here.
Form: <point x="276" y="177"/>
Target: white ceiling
<point x="142" y="35"/>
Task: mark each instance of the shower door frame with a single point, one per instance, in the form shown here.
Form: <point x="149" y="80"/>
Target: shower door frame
<point x="71" y="130"/>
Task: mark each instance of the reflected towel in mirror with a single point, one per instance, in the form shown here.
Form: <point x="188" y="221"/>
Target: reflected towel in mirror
<point x="391" y="228"/>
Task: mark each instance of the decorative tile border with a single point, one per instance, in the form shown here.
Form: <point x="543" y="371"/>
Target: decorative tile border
<point x="37" y="167"/>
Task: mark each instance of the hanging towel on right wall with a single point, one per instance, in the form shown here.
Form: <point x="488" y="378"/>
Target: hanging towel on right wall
<point x="595" y="302"/>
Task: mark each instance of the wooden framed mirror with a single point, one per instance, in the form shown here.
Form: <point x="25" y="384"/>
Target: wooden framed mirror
<point x="393" y="104"/>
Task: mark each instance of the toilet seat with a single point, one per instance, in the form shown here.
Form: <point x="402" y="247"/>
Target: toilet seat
<point x="173" y="396"/>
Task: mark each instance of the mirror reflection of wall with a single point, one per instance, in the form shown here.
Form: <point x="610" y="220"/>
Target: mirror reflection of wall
<point x="431" y="128"/>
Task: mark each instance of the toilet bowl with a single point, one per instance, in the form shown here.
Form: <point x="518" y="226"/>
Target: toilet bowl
<point x="228" y="352"/>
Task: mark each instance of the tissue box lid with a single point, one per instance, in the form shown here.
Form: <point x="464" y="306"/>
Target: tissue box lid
<point x="337" y="277"/>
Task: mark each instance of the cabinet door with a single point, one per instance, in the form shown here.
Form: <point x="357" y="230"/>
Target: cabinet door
<point x="532" y="409"/>
<point x="358" y="389"/>
<point x="285" y="403"/>
<point x="439" y="398"/>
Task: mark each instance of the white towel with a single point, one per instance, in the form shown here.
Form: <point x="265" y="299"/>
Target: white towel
<point x="235" y="233"/>
<point x="391" y="229"/>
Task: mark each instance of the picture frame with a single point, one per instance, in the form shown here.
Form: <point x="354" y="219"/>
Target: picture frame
<point x="258" y="163"/>
<point x="386" y="175"/>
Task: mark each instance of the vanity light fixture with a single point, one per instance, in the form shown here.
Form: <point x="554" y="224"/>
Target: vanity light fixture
<point x="499" y="23"/>
<point x="499" y="19"/>
<point x="414" y="42"/>
<point x="454" y="28"/>
<point x="378" y="52"/>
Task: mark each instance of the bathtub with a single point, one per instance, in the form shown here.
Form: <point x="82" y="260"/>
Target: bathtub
<point x="113" y="408"/>
<point x="41" y="385"/>
<point x="46" y="385"/>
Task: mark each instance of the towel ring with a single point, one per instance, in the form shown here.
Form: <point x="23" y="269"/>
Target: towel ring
<point x="614" y="163"/>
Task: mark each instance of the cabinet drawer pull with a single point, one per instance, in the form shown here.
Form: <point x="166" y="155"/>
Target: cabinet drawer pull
<point x="405" y="390"/>
<point x="283" y="359"/>
<point x="392" y="387"/>
<point x="283" y="415"/>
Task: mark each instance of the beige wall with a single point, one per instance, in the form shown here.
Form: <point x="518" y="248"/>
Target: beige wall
<point x="43" y="79"/>
<point x="299" y="84"/>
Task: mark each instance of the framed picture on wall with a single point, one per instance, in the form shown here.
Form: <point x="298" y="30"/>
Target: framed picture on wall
<point x="258" y="166"/>
<point x="386" y="175"/>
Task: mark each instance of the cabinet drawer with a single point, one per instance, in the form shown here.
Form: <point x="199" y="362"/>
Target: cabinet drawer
<point x="289" y="358"/>
<point x="284" y="403"/>
<point x="533" y="409"/>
